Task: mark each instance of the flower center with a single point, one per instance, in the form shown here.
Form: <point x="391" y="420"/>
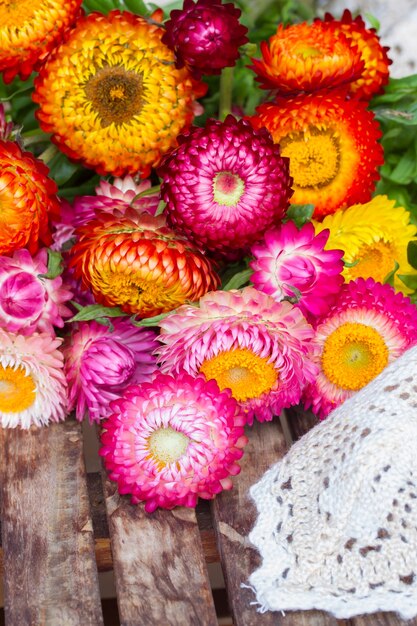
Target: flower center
<point x="353" y="355"/>
<point x="245" y="373"/>
<point x="227" y="188"/>
<point x="374" y="260"/>
<point x="17" y="390"/>
<point x="306" y="52"/>
<point x="314" y="158"/>
<point x="13" y="12"/>
<point x="167" y="445"/>
<point x="115" y="94"/>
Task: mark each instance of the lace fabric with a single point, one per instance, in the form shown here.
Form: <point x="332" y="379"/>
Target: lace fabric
<point x="337" y="523"/>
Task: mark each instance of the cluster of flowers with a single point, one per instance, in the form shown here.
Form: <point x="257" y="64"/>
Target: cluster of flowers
<point x="317" y="319"/>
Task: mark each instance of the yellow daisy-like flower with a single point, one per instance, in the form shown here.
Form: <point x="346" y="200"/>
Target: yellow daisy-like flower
<point x="332" y="144"/>
<point x="374" y="237"/>
<point x="29" y="30"/>
<point x="112" y="97"/>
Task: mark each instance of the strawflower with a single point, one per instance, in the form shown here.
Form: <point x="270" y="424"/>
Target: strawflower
<point x="136" y="262"/>
<point x="293" y="263"/>
<point x="332" y="144"/>
<point x="173" y="440"/>
<point x="29" y="30"/>
<point x="247" y="342"/>
<point x="29" y="301"/>
<point x="27" y="198"/>
<point x="225" y="185"/>
<point x="100" y="362"/>
<point x="374" y="237"/>
<point x="32" y="382"/>
<point x="375" y="74"/>
<point x="369" y="327"/>
<point x="111" y="96"/>
<point x="205" y="36"/>
<point x="307" y="57"/>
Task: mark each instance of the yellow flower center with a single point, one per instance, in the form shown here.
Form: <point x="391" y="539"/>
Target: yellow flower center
<point x="353" y="355"/>
<point x="314" y="158"/>
<point x="227" y="188"/>
<point x="374" y="260"/>
<point x="167" y="445"/>
<point x="115" y="94"/>
<point x="17" y="390"/>
<point x="14" y="13"/>
<point x="245" y="373"/>
<point x="306" y="51"/>
<point x="133" y="290"/>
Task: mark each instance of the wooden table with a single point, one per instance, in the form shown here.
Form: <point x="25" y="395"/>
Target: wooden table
<point x="61" y="526"/>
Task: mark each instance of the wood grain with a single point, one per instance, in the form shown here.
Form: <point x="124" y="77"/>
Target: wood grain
<point x="234" y="515"/>
<point x="159" y="568"/>
<point x="48" y="550"/>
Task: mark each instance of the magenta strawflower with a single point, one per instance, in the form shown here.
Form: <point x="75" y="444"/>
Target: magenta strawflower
<point x="173" y="440"/>
<point x="293" y="263"/>
<point x="29" y="301"/>
<point x="369" y="326"/>
<point x="205" y="36"/>
<point x="100" y="363"/>
<point x="225" y="185"/>
<point x="258" y="348"/>
<point x="33" y="389"/>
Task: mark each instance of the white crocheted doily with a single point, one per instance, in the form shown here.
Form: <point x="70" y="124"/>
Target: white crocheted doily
<point x="337" y="524"/>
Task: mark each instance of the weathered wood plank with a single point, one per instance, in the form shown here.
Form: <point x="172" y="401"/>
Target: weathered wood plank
<point x="159" y="567"/>
<point x="50" y="571"/>
<point x="300" y="422"/>
<point x="234" y="515"/>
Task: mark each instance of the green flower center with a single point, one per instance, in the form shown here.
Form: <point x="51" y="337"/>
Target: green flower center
<point x="228" y="188"/>
<point x="115" y="94"/>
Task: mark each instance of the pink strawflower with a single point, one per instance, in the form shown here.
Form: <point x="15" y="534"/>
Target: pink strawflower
<point x="30" y="302"/>
<point x="369" y="326"/>
<point x="205" y="36"/>
<point x="32" y="382"/>
<point x="100" y="363"/>
<point x="6" y="128"/>
<point x="173" y="440"/>
<point x="293" y="263"/>
<point x="258" y="348"/>
<point x="225" y="185"/>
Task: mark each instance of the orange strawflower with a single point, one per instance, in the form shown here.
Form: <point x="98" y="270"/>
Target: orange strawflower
<point x="136" y="262"/>
<point x="29" y="30"/>
<point x="112" y="97"/>
<point x="307" y="57"/>
<point x="332" y="144"/>
<point x="375" y="74"/>
<point x="27" y="200"/>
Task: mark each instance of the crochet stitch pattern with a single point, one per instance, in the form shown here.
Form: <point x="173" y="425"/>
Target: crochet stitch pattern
<point x="338" y="514"/>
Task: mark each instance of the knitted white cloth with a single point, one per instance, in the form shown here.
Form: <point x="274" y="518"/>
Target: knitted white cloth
<point x="337" y="524"/>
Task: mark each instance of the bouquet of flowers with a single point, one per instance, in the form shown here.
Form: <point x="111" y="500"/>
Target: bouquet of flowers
<point x="207" y="215"/>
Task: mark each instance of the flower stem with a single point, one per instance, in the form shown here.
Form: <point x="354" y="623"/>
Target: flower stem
<point x="48" y="154"/>
<point x="226" y="90"/>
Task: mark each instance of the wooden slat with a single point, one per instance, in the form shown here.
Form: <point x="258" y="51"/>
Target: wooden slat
<point x="50" y="571"/>
<point x="299" y="423"/>
<point x="234" y="515"/>
<point x="159" y="566"/>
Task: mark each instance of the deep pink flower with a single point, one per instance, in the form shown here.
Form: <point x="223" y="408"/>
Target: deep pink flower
<point x="368" y="327"/>
<point x="100" y="363"/>
<point x="173" y="440"/>
<point x="290" y="262"/>
<point x="258" y="348"/>
<point x="30" y="302"/>
<point x="205" y="36"/>
<point x="225" y="185"/>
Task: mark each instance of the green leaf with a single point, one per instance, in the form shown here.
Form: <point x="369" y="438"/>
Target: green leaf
<point x="55" y="265"/>
<point x="136" y="6"/>
<point x="150" y="321"/>
<point x="238" y="280"/>
<point x="96" y="312"/>
<point x="374" y="22"/>
<point x="300" y="214"/>
<point x="405" y="171"/>
<point x="389" y="278"/>
<point x="410" y="280"/>
<point x="412" y="253"/>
